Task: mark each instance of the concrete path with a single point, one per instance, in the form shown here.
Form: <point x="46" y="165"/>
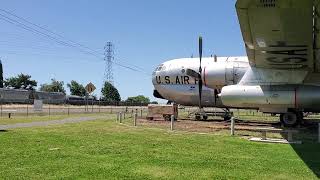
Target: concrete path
<point x="47" y="123"/>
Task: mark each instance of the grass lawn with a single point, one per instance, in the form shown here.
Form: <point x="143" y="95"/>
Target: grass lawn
<point x="103" y="149"/>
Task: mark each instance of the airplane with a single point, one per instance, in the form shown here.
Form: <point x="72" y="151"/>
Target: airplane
<point x="280" y="75"/>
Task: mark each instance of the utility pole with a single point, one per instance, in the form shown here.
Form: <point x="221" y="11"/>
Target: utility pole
<point x="108" y="58"/>
<point x="1" y="74"/>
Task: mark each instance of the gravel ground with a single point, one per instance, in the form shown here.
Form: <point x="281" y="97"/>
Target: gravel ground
<point x="47" y="123"/>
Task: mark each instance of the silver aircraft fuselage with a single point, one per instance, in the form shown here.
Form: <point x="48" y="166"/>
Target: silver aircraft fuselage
<point x="238" y="85"/>
<point x="171" y="82"/>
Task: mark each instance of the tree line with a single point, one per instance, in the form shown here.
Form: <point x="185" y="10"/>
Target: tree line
<point x="108" y="91"/>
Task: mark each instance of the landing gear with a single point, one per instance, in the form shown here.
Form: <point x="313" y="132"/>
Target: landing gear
<point x="201" y="117"/>
<point x="291" y="119"/>
<point x="228" y="114"/>
<point x="167" y="117"/>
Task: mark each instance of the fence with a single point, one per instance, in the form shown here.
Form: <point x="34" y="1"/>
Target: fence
<point x="66" y="109"/>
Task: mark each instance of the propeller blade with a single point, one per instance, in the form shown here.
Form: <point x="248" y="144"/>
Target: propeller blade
<point x="193" y="73"/>
<point x="200" y="49"/>
<point x="200" y="72"/>
<point x="200" y="93"/>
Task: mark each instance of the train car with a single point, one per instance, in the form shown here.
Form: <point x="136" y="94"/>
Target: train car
<point x="18" y="96"/>
<point x="50" y="97"/>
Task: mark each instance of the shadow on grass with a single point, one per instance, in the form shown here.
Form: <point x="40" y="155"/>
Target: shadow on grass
<point x="3" y="130"/>
<point x="310" y="154"/>
<point x="309" y="150"/>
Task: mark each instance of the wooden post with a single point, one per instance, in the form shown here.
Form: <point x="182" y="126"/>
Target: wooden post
<point x="68" y="110"/>
<point x="232" y="126"/>
<point x="172" y="123"/>
<point x="141" y="112"/>
<point x="135" y="119"/>
<point x="264" y="135"/>
<point x="120" y="114"/>
<point x="290" y="138"/>
<point x="131" y="113"/>
<point x="117" y="117"/>
<point x="124" y="115"/>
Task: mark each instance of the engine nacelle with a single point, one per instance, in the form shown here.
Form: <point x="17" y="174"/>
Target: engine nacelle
<point x="220" y="74"/>
<point x="271" y="97"/>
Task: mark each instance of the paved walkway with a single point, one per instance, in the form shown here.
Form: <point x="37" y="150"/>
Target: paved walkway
<point x="47" y="123"/>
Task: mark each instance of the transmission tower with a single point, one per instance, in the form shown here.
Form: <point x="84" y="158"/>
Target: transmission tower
<point x="108" y="58"/>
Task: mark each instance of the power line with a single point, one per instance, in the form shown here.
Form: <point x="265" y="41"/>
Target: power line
<point x="41" y="27"/>
<point x="59" y="41"/>
<point x="45" y="29"/>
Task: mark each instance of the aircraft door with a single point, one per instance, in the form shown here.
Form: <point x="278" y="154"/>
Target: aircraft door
<point x="230" y="79"/>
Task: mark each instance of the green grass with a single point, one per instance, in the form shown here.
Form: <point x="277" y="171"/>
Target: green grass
<point x="105" y="150"/>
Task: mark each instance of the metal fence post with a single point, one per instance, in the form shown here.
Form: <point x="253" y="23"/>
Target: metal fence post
<point x="232" y="126"/>
<point x="172" y="123"/>
<point x="27" y="110"/>
<point x="135" y="119"/>
<point x="99" y="106"/>
<point x="49" y="108"/>
<point x="319" y="133"/>
<point x="92" y="105"/>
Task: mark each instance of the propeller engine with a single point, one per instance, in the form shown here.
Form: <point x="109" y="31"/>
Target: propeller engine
<point x="198" y="76"/>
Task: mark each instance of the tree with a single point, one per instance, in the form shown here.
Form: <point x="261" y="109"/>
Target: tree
<point x="110" y="93"/>
<point x="54" y="86"/>
<point x="138" y="99"/>
<point x="22" y="81"/>
<point x="76" y="88"/>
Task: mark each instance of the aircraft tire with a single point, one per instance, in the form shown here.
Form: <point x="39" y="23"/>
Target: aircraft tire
<point x="205" y="118"/>
<point x="167" y="117"/>
<point x="290" y="119"/>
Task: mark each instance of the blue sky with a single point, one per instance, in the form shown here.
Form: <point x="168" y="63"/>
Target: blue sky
<point x="145" y="33"/>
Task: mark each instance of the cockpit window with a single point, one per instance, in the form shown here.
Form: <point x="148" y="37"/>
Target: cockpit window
<point x="161" y="67"/>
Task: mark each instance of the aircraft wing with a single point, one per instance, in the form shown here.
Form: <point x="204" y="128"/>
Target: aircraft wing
<point x="278" y="34"/>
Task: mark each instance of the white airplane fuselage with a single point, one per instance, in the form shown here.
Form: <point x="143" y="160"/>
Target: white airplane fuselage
<point x="238" y="85"/>
<point x="172" y="83"/>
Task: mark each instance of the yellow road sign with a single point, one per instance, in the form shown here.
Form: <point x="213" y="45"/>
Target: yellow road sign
<point x="90" y="88"/>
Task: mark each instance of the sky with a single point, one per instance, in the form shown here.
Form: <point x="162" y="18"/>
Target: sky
<point x="144" y="33"/>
